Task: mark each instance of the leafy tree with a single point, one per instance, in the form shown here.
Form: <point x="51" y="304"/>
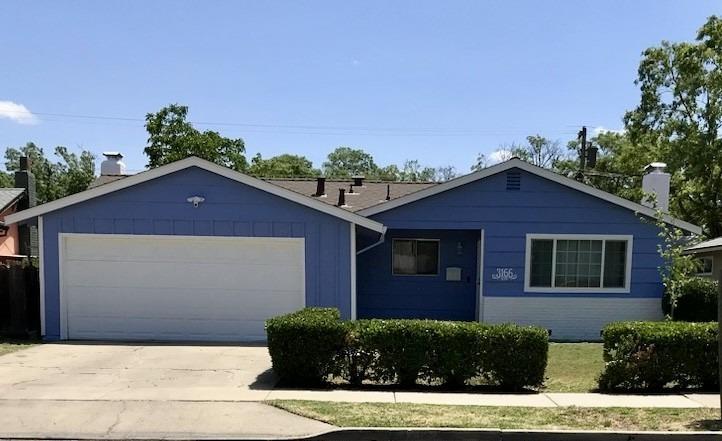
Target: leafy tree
<point x="345" y="162"/>
<point x="481" y="162"/>
<point x="446" y="173"/>
<point x="679" y="119"/>
<point x="619" y="167"/>
<point x="538" y="150"/>
<point x="414" y="172"/>
<point x="171" y="138"/>
<point x="388" y="173"/>
<point x="6" y="180"/>
<point x="54" y="180"/>
<point x="282" y="166"/>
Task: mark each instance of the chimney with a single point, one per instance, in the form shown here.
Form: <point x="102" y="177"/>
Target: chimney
<point x="358" y="181"/>
<point x="113" y="164"/>
<point x="320" y="186"/>
<point x="341" y="197"/>
<point x="27" y="234"/>
<point x="655" y="185"/>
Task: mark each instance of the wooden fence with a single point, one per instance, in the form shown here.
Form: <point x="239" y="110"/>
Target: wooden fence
<point x="19" y="301"/>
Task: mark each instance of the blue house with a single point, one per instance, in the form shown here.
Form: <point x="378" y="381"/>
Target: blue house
<point x="196" y="251"/>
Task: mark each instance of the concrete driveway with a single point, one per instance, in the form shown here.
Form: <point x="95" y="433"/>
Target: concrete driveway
<point x="142" y="390"/>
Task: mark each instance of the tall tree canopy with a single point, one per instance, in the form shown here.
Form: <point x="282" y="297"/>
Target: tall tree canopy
<point x="282" y="166"/>
<point x="345" y="162"/>
<point x="71" y="174"/>
<point x="678" y="121"/>
<point x="171" y="138"/>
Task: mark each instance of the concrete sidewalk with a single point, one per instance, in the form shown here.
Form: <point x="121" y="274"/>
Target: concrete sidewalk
<point x="550" y="399"/>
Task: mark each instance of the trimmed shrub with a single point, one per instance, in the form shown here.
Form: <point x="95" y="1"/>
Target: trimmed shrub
<point x="515" y="356"/>
<point x="405" y="351"/>
<point x="696" y="301"/>
<point x="304" y="344"/>
<point x="652" y="356"/>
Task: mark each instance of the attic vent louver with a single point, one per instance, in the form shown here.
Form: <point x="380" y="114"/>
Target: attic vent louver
<point x="513" y="180"/>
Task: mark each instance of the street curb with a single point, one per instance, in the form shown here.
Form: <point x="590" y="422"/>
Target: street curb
<point x="423" y="434"/>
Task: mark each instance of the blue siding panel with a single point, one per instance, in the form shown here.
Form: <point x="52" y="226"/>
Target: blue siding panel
<point x="540" y="206"/>
<point x="384" y="295"/>
<point x="159" y="206"/>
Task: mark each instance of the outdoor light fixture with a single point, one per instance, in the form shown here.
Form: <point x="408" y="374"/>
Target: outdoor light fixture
<point x="459" y="248"/>
<point x="196" y="200"/>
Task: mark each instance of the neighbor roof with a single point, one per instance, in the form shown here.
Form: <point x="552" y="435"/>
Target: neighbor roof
<point x="9" y="196"/>
<point x="533" y="169"/>
<point x="202" y="164"/>
<point x="705" y="247"/>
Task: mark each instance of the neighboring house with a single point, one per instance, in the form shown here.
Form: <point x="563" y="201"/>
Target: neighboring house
<point x="195" y="251"/>
<point x="709" y="254"/>
<point x="17" y="241"/>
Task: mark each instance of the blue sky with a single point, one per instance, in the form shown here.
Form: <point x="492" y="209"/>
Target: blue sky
<point x="433" y="81"/>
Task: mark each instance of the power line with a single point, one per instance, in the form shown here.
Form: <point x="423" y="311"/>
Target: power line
<point x="311" y="129"/>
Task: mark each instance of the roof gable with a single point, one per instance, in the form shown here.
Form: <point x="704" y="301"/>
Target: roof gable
<point x="205" y="165"/>
<point x="9" y="196"/>
<point x="538" y="171"/>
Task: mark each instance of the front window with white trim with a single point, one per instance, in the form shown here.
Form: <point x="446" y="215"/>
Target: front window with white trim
<point x="578" y="263"/>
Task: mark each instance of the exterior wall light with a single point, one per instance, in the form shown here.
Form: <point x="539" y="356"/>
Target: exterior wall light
<point x="196" y="200"/>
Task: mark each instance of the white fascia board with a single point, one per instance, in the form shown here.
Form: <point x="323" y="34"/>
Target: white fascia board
<point x="205" y="165"/>
<point x="546" y="174"/>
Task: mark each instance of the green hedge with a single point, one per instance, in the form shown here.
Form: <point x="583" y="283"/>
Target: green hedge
<point x="696" y="301"/>
<point x="405" y="351"/>
<point x="303" y="344"/>
<point x="653" y="356"/>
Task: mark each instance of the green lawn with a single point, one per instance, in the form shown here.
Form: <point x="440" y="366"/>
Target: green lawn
<point x="8" y="345"/>
<point x="426" y="415"/>
<point x="573" y="367"/>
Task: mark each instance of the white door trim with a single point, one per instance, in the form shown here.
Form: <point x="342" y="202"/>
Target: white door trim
<point x="352" y="227"/>
<point x="480" y="277"/>
<point x="62" y="251"/>
<point x="41" y="274"/>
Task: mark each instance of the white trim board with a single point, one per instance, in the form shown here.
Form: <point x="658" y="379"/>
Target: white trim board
<point x="205" y="165"/>
<point x="575" y="290"/>
<point x="353" y="270"/>
<point x="546" y="174"/>
<point x="41" y="274"/>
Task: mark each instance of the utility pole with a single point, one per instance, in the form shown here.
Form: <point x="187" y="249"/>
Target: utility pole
<point x="582" y="136"/>
<point x="719" y="334"/>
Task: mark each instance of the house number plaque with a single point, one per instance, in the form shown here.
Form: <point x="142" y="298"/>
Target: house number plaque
<point x="504" y="274"/>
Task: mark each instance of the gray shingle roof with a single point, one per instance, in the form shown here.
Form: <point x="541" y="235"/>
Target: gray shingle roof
<point x="707" y="245"/>
<point x="370" y="194"/>
<point x="8" y="196"/>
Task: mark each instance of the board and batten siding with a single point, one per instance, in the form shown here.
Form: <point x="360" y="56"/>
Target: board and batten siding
<point x="543" y="207"/>
<point x="159" y="207"/>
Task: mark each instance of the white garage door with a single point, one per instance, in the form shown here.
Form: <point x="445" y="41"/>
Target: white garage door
<point x="177" y="288"/>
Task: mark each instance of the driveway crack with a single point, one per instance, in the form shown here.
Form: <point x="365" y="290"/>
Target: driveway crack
<point x="122" y="410"/>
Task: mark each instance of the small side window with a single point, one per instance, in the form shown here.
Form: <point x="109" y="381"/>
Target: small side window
<point x="704" y="266"/>
<point x="415" y="257"/>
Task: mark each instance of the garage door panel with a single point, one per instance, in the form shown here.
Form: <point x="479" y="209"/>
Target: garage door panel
<point x="135" y="275"/>
<point x="170" y="248"/>
<point x="177" y="288"/>
<point x="212" y="304"/>
<point x="166" y="329"/>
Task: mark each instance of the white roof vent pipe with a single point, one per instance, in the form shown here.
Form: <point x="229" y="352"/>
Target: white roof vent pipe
<point x="655" y="185"/>
<point x="113" y="164"/>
